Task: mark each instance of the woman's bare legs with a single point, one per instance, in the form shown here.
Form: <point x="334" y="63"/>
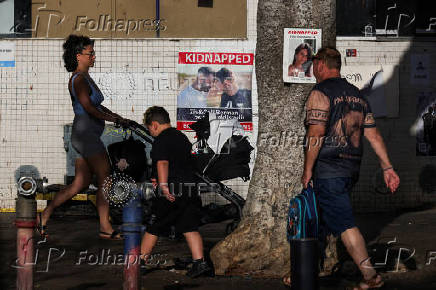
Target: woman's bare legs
<point x="81" y="181"/>
<point x="99" y="165"/>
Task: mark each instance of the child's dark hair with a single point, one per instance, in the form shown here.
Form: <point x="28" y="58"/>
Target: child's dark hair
<point x="158" y="114"/>
<point x="73" y="45"/>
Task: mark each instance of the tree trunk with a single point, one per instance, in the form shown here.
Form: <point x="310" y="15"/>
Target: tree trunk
<point x="258" y="246"/>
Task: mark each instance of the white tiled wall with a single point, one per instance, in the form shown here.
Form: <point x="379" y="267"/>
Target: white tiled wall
<point x="35" y="104"/>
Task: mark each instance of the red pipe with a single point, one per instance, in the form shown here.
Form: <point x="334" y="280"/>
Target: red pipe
<point x="25" y="253"/>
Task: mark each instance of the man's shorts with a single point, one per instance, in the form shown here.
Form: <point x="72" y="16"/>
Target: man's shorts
<point x="334" y="202"/>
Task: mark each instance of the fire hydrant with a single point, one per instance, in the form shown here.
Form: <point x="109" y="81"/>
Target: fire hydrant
<point x="25" y="221"/>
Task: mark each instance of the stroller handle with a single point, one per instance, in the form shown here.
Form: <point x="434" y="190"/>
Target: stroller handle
<point x="139" y="130"/>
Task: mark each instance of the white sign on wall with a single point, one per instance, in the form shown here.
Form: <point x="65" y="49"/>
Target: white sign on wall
<point x="420" y="69"/>
<point x="6" y="16"/>
<point x="7" y="54"/>
<point x="379" y="84"/>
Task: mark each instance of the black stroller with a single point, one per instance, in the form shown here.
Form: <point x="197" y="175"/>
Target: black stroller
<point x="212" y="168"/>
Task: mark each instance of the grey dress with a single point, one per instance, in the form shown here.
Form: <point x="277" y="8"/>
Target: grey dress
<point x="87" y="129"/>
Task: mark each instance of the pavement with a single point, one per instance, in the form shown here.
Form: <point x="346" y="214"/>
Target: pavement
<point x="402" y="244"/>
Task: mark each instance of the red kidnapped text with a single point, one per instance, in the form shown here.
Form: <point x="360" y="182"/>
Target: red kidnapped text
<point x="216" y="58"/>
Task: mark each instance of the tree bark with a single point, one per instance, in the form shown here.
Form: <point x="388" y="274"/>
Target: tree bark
<point x="258" y="246"/>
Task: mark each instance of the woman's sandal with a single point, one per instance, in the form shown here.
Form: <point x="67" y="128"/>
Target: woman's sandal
<point x="375" y="282"/>
<point x="42" y="229"/>
<point x="115" y="235"/>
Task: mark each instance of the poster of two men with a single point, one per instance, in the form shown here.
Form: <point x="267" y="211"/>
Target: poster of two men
<point x="215" y="82"/>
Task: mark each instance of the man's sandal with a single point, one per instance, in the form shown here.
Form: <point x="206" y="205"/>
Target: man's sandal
<point x="375" y="282"/>
<point x="287" y="280"/>
<point x="42" y="229"/>
<point x="115" y="235"/>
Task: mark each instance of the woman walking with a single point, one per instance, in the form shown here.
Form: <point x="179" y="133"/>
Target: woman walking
<point x="88" y="125"/>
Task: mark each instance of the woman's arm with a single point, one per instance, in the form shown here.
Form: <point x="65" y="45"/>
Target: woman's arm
<point x="107" y="111"/>
<point x="118" y="119"/>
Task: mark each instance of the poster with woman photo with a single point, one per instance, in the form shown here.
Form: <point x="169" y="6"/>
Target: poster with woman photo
<point x="299" y="46"/>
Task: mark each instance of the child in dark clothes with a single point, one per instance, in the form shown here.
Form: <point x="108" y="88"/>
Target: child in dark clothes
<point x="178" y="203"/>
